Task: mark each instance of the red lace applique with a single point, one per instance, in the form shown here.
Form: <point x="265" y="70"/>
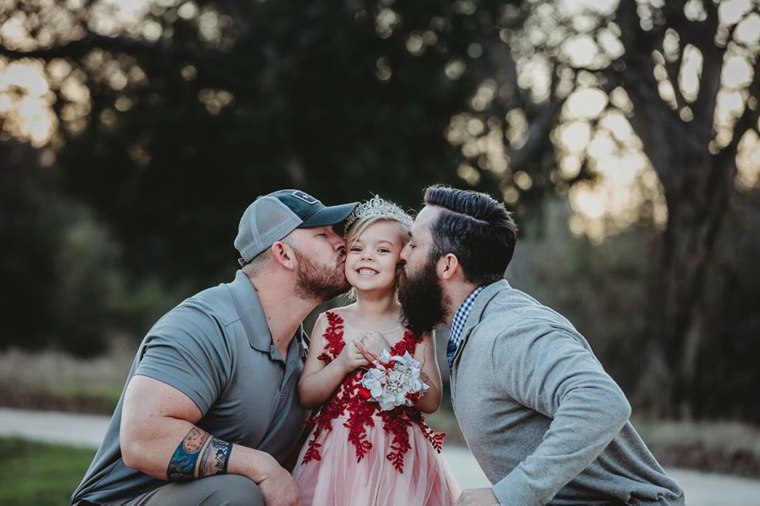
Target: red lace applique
<point x="334" y="336"/>
<point x="351" y="398"/>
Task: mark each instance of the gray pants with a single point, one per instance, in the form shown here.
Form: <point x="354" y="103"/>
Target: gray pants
<point x="219" y="490"/>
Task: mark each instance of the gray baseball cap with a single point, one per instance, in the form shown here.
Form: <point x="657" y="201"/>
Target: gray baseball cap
<point x="273" y="216"/>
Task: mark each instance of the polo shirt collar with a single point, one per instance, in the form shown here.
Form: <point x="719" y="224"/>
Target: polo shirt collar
<point x="251" y="313"/>
<point x="254" y="319"/>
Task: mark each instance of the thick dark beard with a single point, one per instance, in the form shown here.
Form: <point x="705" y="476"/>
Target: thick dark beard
<point x="319" y="282"/>
<point x="421" y="298"/>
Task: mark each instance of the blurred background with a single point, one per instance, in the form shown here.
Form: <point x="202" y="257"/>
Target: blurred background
<point x="623" y="134"/>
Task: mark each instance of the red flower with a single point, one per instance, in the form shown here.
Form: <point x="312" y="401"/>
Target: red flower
<point x="364" y="393"/>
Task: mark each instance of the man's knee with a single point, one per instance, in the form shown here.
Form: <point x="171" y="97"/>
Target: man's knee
<point x="234" y="490"/>
<point x="219" y="490"/>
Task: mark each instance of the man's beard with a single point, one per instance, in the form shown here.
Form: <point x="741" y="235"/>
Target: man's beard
<point x="319" y="282"/>
<point x="421" y="297"/>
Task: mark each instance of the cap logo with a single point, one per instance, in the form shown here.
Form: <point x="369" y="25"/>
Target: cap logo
<point x="305" y="197"/>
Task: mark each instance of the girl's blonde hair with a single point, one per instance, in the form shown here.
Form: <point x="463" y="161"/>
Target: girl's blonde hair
<point x="370" y="212"/>
<point x="361" y="225"/>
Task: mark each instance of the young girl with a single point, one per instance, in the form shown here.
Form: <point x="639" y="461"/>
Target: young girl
<point x="358" y="454"/>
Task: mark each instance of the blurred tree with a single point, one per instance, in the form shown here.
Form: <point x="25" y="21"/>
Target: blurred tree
<point x="28" y="240"/>
<point x="55" y="266"/>
<point x="689" y="70"/>
<point x="684" y="76"/>
<point x="697" y="172"/>
<point x="728" y="372"/>
<point x="172" y="119"/>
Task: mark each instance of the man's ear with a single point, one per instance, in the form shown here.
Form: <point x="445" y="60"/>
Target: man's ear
<point x="447" y="267"/>
<point x="283" y="254"/>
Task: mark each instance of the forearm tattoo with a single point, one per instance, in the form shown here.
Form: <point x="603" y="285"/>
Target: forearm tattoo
<point x="198" y="455"/>
<point x="215" y="457"/>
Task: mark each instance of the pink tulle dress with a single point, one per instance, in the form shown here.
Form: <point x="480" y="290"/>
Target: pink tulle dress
<point x="359" y="455"/>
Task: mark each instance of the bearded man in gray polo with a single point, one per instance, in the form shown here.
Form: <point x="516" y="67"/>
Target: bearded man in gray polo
<point x="541" y="416"/>
<point x="209" y="411"/>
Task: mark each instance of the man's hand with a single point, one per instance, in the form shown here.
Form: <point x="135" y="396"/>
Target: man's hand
<point x="477" y="497"/>
<point x="277" y="486"/>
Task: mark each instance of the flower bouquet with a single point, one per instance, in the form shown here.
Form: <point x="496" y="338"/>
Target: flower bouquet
<point x="393" y="381"/>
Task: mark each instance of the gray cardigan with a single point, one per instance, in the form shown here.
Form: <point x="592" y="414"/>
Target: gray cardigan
<point x="542" y="417"/>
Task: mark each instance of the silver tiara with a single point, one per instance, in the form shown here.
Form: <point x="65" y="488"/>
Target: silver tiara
<point x="377" y="207"/>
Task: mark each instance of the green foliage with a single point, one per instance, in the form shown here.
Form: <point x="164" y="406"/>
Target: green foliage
<point x="28" y="236"/>
<point x="61" y="272"/>
<point x="33" y="474"/>
<point x="84" y="265"/>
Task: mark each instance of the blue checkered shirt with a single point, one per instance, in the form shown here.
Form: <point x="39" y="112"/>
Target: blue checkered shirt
<point x="457" y="324"/>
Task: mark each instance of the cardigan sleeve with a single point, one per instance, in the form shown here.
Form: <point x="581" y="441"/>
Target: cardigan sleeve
<point x="551" y="370"/>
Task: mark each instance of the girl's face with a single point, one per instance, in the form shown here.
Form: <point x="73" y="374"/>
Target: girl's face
<point x="373" y="256"/>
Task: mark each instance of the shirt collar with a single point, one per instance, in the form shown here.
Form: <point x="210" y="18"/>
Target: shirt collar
<point x="460" y="317"/>
<point x="254" y="319"/>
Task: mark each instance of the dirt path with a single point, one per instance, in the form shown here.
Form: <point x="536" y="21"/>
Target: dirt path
<point x="702" y="489"/>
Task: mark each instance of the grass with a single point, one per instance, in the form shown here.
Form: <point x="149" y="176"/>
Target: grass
<point x="35" y="474"/>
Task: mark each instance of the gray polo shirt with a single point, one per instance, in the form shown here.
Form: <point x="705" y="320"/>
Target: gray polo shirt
<point x="215" y="348"/>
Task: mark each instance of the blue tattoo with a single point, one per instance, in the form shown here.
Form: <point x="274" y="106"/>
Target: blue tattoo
<point x="182" y="466"/>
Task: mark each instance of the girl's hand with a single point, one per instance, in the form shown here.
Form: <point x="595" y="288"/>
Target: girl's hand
<point x="372" y="344"/>
<point x="351" y="356"/>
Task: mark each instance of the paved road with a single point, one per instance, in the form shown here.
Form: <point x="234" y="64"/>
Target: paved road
<point x="702" y="489"/>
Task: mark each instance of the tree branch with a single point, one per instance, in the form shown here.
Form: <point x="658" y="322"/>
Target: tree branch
<point x="709" y="85"/>
<point x="539" y="128"/>
<point x="118" y="44"/>
<point x="653" y="120"/>
<point x="673" y="68"/>
<point x="747" y="121"/>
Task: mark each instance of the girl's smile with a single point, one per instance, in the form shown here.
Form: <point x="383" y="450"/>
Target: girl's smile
<point x="372" y="257"/>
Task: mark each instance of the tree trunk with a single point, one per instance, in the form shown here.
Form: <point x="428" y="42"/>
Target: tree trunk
<point x="697" y="185"/>
<point x="686" y="253"/>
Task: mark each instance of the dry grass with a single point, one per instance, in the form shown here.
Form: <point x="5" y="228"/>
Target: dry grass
<point x="726" y="447"/>
<point x="54" y="380"/>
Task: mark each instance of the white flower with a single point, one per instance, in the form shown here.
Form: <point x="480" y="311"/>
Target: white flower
<point x="392" y="379"/>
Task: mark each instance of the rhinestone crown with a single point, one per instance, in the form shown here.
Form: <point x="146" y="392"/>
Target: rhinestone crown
<point x="379" y="207"/>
